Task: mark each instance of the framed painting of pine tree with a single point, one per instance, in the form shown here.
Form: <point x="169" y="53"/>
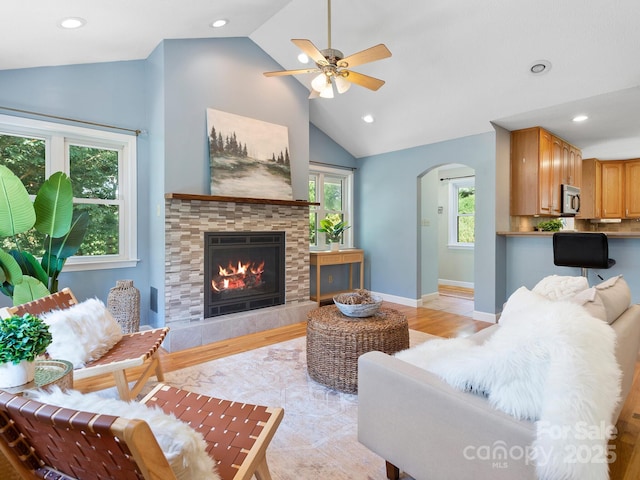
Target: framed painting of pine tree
<point x="247" y="157"/>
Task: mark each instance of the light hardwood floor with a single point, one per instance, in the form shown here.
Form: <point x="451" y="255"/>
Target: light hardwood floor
<point x="444" y="319"/>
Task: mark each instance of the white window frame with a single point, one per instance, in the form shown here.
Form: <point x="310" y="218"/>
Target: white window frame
<point x="319" y="172"/>
<point x="454" y="186"/>
<point x="57" y="139"/>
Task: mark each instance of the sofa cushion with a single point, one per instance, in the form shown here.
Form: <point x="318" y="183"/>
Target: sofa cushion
<point x="82" y="333"/>
<point x="607" y="300"/>
<point x="184" y="448"/>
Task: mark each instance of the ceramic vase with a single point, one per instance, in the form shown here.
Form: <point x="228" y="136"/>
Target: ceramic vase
<point x="14" y="375"/>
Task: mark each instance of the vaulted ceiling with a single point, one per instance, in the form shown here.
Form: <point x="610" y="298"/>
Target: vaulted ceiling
<point x="457" y="67"/>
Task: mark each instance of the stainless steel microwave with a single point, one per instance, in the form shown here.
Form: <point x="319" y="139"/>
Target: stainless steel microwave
<point x="570" y="200"/>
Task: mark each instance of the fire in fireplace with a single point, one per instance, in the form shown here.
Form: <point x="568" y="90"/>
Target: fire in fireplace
<point x="243" y="271"/>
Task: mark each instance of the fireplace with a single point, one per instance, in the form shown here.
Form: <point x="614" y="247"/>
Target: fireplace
<point x="243" y="271"/>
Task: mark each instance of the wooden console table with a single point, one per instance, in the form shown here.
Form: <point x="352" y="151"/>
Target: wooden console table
<point x="341" y="257"/>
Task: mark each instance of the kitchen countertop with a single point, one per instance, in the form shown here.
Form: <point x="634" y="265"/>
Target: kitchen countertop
<point x="550" y="234"/>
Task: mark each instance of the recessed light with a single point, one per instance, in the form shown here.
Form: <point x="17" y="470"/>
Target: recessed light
<point x="303" y="58"/>
<point x="72" y="22"/>
<point x="219" y="23"/>
<point x="580" y="118"/>
<point x="368" y="118"/>
<point x="539" y="67"/>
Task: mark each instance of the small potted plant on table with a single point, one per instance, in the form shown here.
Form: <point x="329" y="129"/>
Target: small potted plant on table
<point x="22" y="339"/>
<point x="333" y="227"/>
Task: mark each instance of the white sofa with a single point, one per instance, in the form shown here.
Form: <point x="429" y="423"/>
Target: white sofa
<point x="421" y="425"/>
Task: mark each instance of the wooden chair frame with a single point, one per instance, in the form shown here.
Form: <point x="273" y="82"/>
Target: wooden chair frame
<point x="40" y="439"/>
<point x="134" y="350"/>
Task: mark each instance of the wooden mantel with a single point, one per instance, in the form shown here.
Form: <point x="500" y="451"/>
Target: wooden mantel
<point x="217" y="198"/>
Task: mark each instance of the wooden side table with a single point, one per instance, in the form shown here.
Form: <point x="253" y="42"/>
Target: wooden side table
<point x="341" y="257"/>
<point x="335" y="341"/>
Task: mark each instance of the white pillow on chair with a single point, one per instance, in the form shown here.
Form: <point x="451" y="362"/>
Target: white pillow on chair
<point x="82" y="333"/>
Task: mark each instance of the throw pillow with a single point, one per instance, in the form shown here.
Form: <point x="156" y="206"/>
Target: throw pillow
<point x="606" y="301"/>
<point x="184" y="448"/>
<point x="557" y="287"/>
<point x="82" y="333"/>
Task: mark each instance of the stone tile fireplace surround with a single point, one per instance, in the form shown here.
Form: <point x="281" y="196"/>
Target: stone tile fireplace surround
<point x="187" y="217"/>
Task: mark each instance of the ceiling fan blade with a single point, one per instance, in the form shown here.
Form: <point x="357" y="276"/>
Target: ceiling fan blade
<point x="366" y="81"/>
<point x="365" y="56"/>
<point x="310" y="49"/>
<point x="290" y="72"/>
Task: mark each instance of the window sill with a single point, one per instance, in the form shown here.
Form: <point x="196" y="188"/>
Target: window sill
<point x="80" y="266"/>
<point x="460" y="246"/>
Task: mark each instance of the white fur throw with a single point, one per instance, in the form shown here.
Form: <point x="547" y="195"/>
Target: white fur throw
<point x="550" y="362"/>
<point x="558" y="287"/>
<point x="82" y="333"/>
<point x="184" y="448"/>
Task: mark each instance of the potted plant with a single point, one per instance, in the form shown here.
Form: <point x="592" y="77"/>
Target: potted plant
<point x="22" y="339"/>
<point x="333" y="227"/>
<point x="52" y="215"/>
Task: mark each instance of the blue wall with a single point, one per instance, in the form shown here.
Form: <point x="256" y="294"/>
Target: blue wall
<point x="109" y="93"/>
<point x="387" y="211"/>
<point x="531" y="259"/>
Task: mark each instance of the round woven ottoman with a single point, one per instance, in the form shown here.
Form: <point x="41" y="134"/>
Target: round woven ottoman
<point x="335" y="341"/>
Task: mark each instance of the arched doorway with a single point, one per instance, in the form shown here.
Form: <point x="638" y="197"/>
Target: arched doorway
<point x="445" y="240"/>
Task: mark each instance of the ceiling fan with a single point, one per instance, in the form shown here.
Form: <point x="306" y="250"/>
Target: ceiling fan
<point x="334" y="67"/>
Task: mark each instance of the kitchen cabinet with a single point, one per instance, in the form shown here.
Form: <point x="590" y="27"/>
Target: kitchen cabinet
<point x="609" y="189"/>
<point x="540" y="164"/>
<point x="612" y="193"/>
<point x="632" y="188"/>
<point x="591" y="189"/>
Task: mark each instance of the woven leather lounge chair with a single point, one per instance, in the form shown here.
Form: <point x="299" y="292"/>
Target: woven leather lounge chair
<point x="134" y="350"/>
<point x="43" y="441"/>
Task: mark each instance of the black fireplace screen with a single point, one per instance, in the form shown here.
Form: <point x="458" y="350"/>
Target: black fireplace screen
<point x="243" y="271"/>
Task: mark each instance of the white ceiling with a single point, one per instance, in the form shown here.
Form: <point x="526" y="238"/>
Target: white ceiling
<point x="456" y="66"/>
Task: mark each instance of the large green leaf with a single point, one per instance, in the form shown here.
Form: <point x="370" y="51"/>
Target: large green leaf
<point x="29" y="289"/>
<point x="30" y="265"/>
<point x="11" y="268"/>
<point x="68" y="245"/>
<point x="54" y="206"/>
<point x="51" y="264"/>
<point x="16" y="210"/>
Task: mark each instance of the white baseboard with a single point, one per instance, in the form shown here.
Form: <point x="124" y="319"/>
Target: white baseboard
<point x="455" y="283"/>
<point x="430" y="296"/>
<point x="409" y="302"/>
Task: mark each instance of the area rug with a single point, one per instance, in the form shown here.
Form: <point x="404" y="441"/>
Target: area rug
<point x="318" y="435"/>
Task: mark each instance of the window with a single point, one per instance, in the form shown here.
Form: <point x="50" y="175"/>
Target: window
<point x="462" y="207"/>
<point x="332" y="188"/>
<point x="102" y="168"/>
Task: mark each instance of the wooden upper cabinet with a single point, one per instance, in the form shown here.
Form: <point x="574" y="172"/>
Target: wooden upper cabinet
<point x="612" y="193"/>
<point x="632" y="188"/>
<point x="591" y="189"/>
<point x="540" y="164"/>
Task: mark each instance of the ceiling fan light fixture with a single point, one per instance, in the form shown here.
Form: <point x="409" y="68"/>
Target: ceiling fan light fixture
<point x="303" y="58"/>
<point x="322" y="84"/>
<point x="342" y="84"/>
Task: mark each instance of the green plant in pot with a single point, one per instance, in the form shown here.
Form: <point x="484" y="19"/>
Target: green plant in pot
<point x="22" y="276"/>
<point x="333" y="227"/>
<point x="22" y="339"/>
